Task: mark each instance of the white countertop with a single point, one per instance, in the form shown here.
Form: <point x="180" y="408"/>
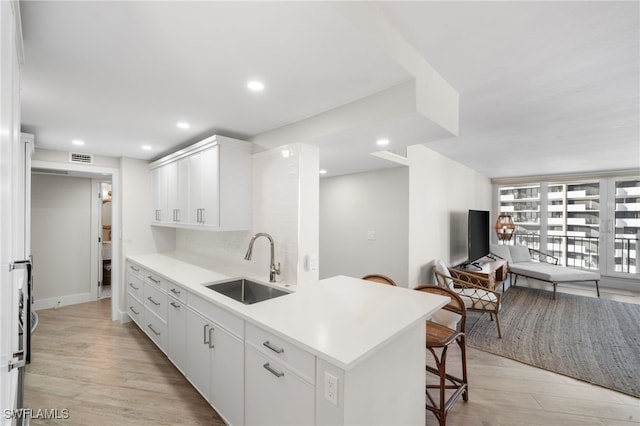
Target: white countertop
<point x="340" y="319"/>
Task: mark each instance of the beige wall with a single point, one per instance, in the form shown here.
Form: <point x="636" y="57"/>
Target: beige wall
<point x="138" y="236"/>
<point x="60" y="239"/>
<point x="350" y="207"/>
<point x="441" y="192"/>
<point x="419" y="214"/>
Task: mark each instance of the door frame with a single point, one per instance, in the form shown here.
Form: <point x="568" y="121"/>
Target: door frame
<point x="97" y="172"/>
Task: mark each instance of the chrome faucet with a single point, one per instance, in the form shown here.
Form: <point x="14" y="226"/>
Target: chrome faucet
<point x="273" y="271"/>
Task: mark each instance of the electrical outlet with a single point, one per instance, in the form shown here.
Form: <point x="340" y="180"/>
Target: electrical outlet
<point x="331" y="388"/>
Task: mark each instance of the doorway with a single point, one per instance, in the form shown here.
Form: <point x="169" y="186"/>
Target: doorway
<point x="95" y="175"/>
<point x="105" y="239"/>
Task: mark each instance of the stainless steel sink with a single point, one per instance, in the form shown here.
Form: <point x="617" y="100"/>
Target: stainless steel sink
<point x="246" y="291"/>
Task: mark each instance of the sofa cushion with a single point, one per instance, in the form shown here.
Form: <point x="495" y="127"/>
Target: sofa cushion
<point x="519" y="254"/>
<point x="478" y="299"/>
<point x="553" y="273"/>
<point x="502" y="251"/>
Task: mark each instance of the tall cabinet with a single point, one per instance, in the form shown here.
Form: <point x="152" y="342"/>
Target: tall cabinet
<point x="204" y="186"/>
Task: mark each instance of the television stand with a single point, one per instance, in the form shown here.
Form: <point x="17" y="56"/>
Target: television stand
<point x="495" y="271"/>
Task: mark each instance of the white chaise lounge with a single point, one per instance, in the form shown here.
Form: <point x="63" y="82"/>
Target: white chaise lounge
<point x="534" y="264"/>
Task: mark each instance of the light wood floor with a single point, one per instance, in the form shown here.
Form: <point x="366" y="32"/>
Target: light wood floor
<point x="106" y="373"/>
<point x="506" y="392"/>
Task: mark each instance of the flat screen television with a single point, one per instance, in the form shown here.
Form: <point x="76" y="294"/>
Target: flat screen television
<point x="478" y="228"/>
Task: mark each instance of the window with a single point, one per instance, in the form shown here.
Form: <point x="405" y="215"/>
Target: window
<point x="627" y="225"/>
<point x="590" y="224"/>
<point x="523" y="204"/>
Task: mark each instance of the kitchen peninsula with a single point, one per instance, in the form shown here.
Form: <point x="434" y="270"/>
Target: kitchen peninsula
<point x="337" y="351"/>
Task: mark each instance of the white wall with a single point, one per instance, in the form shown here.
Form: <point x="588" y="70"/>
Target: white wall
<point x="60" y="239"/>
<point x="138" y="236"/>
<point x="441" y="191"/>
<point x="63" y="157"/>
<point x="350" y="207"/>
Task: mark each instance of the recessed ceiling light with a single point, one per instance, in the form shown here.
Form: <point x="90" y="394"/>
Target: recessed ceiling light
<point x="77" y="142"/>
<point x="146" y="147"/>
<point x="323" y="172"/>
<point x="255" y="85"/>
<point x="382" y="142"/>
<point x="183" y="125"/>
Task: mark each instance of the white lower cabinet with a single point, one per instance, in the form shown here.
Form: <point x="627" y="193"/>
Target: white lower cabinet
<point x="198" y="352"/>
<point x="215" y="366"/>
<point x="227" y="376"/>
<point x="274" y="394"/>
<point x="135" y="309"/>
<point x="177" y="325"/>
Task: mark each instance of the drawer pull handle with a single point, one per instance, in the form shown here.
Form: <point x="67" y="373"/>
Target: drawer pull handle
<point x="151" y="328"/>
<point x="134" y="268"/>
<point x="133" y="310"/>
<point x="153" y="279"/>
<point x="133" y="286"/>
<point x="273" y="348"/>
<point x="175" y="305"/>
<point x="150" y="299"/>
<point x="272" y="371"/>
<point x="211" y="345"/>
<point x="174" y="291"/>
<point x="206" y="326"/>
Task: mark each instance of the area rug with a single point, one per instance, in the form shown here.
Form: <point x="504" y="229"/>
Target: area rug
<point x="591" y="339"/>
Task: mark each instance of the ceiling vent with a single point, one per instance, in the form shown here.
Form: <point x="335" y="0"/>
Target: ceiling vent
<point x="76" y="157"/>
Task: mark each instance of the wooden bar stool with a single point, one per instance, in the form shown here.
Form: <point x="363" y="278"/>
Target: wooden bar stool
<point x="439" y="338"/>
<point x="382" y="279"/>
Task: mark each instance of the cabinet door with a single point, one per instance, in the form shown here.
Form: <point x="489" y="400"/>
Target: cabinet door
<point x="177" y="322"/>
<point x="198" y="368"/>
<point x="274" y="395"/>
<point x="204" y="188"/>
<point x="159" y="177"/>
<point x="177" y="187"/>
<point x="227" y="376"/>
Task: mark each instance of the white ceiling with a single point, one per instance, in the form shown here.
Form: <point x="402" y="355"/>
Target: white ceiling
<point x="545" y="87"/>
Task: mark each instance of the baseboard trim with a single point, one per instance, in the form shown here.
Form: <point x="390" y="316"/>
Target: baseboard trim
<point x="123" y="317"/>
<point x="57" y="302"/>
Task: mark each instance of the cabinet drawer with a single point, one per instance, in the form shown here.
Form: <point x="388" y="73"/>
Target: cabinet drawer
<point x="301" y="362"/>
<point x="136" y="270"/>
<point x="274" y="395"/>
<point x="135" y="285"/>
<point x="157" y="280"/>
<point x="155" y="329"/>
<point x="176" y="291"/>
<point x="156" y="301"/>
<point x="135" y="310"/>
<point x="224" y="318"/>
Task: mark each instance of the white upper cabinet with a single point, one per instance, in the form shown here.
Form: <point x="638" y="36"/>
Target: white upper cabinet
<point x="204" y="203"/>
<point x="205" y="186"/>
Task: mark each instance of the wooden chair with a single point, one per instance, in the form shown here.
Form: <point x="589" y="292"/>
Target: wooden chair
<point x="473" y="289"/>
<point x="439" y="338"/>
<point x="379" y="279"/>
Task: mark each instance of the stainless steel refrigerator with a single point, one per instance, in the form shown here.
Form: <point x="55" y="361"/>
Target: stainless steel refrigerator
<point x="16" y="277"/>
